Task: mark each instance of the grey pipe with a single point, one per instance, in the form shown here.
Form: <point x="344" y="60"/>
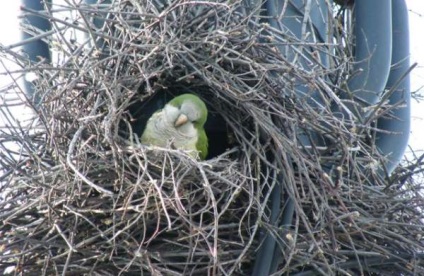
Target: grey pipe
<point x="35" y="49"/>
<point x="373" y="49"/>
<point x="394" y="143"/>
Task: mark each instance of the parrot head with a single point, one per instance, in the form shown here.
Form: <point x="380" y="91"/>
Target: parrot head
<point x="180" y="124"/>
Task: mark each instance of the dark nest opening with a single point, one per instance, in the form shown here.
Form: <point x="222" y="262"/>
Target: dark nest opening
<point x="140" y="110"/>
<point x="81" y="195"/>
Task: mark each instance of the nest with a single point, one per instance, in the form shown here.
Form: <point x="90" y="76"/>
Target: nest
<point x="81" y="195"/>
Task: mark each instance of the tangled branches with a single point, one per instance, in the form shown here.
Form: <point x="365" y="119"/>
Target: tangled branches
<point x="81" y="195"/>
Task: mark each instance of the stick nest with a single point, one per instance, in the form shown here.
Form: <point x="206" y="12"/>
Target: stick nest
<point x="81" y="195"/>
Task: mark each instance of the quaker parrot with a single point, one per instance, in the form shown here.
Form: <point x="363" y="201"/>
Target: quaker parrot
<point x="180" y="124"/>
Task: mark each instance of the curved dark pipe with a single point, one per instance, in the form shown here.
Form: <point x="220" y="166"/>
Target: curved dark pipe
<point x="269" y="254"/>
<point x="394" y="143"/>
<point x="35" y="49"/>
<point x="289" y="17"/>
<point x="285" y="224"/>
<point x="373" y="49"/>
<point x="264" y="258"/>
<point x="292" y="22"/>
<point x="98" y="21"/>
<point x="390" y="37"/>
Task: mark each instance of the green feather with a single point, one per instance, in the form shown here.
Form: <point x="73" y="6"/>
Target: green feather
<point x="178" y="101"/>
<point x="202" y="144"/>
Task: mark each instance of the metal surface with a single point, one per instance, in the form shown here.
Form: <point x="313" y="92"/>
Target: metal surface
<point x="35" y="49"/>
<point x="393" y="142"/>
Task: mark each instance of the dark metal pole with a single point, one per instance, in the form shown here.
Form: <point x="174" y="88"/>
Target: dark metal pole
<point x="373" y="49"/>
<point x="35" y="49"/>
<point x="393" y="142"/>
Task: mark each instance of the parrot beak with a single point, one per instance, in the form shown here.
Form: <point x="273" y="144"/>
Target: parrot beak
<point x="182" y="119"/>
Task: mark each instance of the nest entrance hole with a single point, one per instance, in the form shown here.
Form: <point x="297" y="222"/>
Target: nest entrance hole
<point x="216" y="127"/>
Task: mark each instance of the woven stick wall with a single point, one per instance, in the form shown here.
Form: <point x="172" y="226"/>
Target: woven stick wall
<point x="81" y="195"/>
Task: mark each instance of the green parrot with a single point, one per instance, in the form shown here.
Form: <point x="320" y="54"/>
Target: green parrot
<point x="179" y="124"/>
